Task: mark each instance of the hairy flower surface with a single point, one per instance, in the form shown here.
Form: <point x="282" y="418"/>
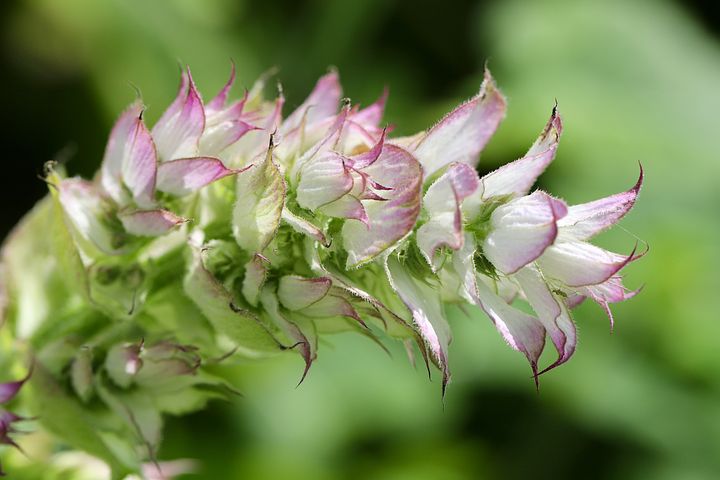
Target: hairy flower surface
<point x="228" y="230"/>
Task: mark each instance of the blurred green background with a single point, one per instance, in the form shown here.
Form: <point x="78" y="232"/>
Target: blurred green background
<point x="635" y="81"/>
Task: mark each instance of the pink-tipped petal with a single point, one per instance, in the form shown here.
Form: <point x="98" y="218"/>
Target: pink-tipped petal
<point x="305" y="339"/>
<point x="366" y="159"/>
<point x="371" y="116"/>
<point x="521" y="331"/>
<point x="388" y="221"/>
<point x="551" y="311"/>
<point x="130" y="160"/>
<point x="579" y="264"/>
<point x="150" y="223"/>
<point x="518" y="177"/>
<point x="463" y="133"/>
<point x="442" y="203"/>
<point x="186" y="175"/>
<point x="588" y="219"/>
<point x="218" y="102"/>
<point x="522" y="230"/>
<point x="296" y="293"/>
<point x="426" y="308"/>
<point x="178" y="131"/>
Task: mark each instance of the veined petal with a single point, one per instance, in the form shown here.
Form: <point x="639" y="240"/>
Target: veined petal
<point x="521" y="230"/>
<point x="178" y="131"/>
<point x="185" y="175"/>
<point x="552" y="312"/>
<point x="578" y="264"/>
<point x="425" y="306"/>
<point x="301" y="225"/>
<point x="518" y="177"/>
<point x="588" y="219"/>
<point x="462" y="134"/>
<point x="130" y="160"/>
<point x="150" y="223"/>
<point x="296" y="293"/>
<point x="259" y="204"/>
<point x="442" y="203"/>
<point x="323" y="179"/>
<point x="322" y="103"/>
<point x="521" y="331"/>
<point x="388" y="221"/>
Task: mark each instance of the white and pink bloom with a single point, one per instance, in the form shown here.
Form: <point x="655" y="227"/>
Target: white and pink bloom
<point x="227" y="230"/>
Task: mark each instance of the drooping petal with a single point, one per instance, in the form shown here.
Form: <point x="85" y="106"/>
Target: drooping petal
<point x="259" y="204"/>
<point x="521" y="331"/>
<point x="442" y="203"/>
<point x="551" y="311"/>
<point x="178" y="131"/>
<point x="130" y="160"/>
<point x="323" y="179"/>
<point x="426" y="308"/>
<point x="578" y="264"/>
<point x="296" y="293"/>
<point x="462" y="134"/>
<point x="588" y="219"/>
<point x="610" y="291"/>
<point x="150" y="223"/>
<point x="388" y="221"/>
<point x="521" y="230"/>
<point x="322" y="103"/>
<point x="305" y="339"/>
<point x="518" y="177"/>
<point x="185" y="175"/>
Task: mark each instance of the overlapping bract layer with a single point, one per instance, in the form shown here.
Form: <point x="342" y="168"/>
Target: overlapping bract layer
<point x="230" y="228"/>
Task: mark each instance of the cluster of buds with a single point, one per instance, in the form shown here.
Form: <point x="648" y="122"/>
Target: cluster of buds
<point x="242" y="233"/>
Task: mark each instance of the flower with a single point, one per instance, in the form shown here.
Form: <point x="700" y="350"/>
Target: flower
<point x="228" y="230"/>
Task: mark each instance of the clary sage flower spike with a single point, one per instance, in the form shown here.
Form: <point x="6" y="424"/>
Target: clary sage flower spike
<point x="228" y="230"/>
